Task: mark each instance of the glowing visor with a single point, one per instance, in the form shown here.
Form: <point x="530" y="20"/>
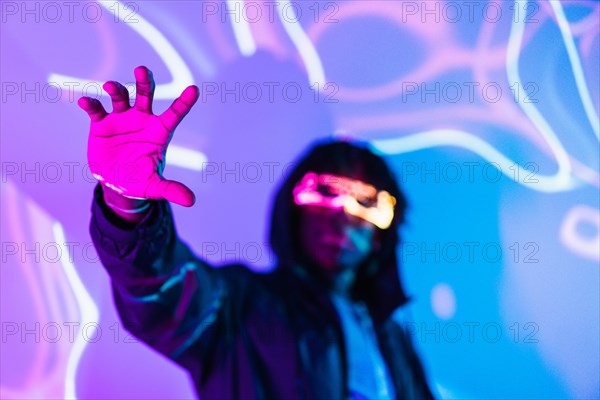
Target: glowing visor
<point x="355" y="197"/>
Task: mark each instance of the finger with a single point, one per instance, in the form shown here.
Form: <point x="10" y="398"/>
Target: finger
<point x="144" y="89"/>
<point x="119" y="96"/>
<point x="173" y="191"/>
<point x="93" y="108"/>
<point x="180" y="107"/>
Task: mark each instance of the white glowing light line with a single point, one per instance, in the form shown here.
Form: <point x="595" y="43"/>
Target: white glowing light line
<point x="587" y="247"/>
<point x="305" y="48"/>
<point x="563" y="177"/>
<point x="89" y="312"/>
<point x="582" y="86"/>
<point x="562" y="180"/>
<point x="241" y="29"/>
<point x="181" y="74"/>
<point x="451" y="137"/>
<point x="186" y="158"/>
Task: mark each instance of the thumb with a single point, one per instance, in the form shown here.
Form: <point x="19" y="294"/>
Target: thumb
<point x="173" y="191"/>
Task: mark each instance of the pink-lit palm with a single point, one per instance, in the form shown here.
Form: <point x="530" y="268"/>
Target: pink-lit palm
<point x="127" y="147"/>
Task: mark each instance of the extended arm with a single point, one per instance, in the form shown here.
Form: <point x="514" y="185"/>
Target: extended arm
<point x="165" y="295"/>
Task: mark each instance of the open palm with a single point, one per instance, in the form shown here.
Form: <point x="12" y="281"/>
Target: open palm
<point x="127" y="147"/>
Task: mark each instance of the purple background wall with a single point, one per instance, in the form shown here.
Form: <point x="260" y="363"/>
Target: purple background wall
<point x="487" y="111"/>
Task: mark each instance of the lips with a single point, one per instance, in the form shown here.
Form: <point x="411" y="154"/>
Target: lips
<point x="331" y="247"/>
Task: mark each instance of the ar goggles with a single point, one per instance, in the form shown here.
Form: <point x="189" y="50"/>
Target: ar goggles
<point x="355" y="197"/>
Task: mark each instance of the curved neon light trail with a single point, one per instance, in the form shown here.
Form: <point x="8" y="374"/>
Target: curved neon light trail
<point x="241" y="28"/>
<point x="186" y="158"/>
<point x="570" y="236"/>
<point x="563" y="177"/>
<point x="582" y="86"/>
<point x="88" y="311"/>
<point x="452" y="137"/>
<point x="563" y="180"/>
<point x="182" y="76"/>
<point x="307" y="51"/>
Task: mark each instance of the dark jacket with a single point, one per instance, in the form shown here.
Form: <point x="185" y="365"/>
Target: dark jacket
<point x="242" y="334"/>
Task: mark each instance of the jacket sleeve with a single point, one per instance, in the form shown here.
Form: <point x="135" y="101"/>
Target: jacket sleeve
<point x="410" y="372"/>
<point x="165" y="295"/>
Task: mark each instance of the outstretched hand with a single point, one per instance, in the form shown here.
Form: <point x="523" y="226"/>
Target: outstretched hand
<point x="127" y="147"/>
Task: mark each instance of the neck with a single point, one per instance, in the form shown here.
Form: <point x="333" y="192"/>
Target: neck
<point x="343" y="282"/>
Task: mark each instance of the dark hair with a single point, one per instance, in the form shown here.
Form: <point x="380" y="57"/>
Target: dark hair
<point x="352" y="160"/>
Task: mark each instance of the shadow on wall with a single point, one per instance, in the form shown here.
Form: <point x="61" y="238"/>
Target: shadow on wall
<point x="260" y="115"/>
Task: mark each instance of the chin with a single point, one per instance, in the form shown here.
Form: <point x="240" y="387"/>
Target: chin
<point x="329" y="266"/>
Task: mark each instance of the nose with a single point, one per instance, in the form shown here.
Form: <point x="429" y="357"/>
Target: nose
<point x="340" y="218"/>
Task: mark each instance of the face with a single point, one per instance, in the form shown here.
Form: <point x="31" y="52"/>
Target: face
<point x="335" y="240"/>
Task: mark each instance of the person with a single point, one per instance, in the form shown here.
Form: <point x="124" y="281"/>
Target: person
<point x="318" y="326"/>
